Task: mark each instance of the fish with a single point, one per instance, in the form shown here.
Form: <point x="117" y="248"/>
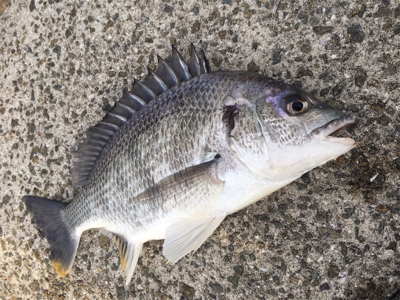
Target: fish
<point x="182" y="150"/>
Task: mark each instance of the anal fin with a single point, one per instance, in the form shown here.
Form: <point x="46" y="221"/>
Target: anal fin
<point x="130" y="259"/>
<point x="122" y="245"/>
<point x="187" y="235"/>
<point x="129" y="253"/>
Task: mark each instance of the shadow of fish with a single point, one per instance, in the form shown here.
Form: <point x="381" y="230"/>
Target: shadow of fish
<point x="182" y="150"/>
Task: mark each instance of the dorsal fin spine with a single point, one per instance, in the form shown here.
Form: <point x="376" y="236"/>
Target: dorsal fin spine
<point x="138" y="99"/>
<point x="100" y="131"/>
<point x="127" y="107"/>
<point x="204" y="63"/>
<point x="142" y="91"/>
<point x="114" y="119"/>
<point x="95" y="142"/>
<point x="132" y="100"/>
<point x="147" y="89"/>
<point x="93" y="148"/>
<point x="159" y="80"/>
<point x="121" y="109"/>
<point x="97" y="136"/>
<point x="179" y="65"/>
<point x="194" y="62"/>
<point x="163" y="66"/>
<point x="111" y="126"/>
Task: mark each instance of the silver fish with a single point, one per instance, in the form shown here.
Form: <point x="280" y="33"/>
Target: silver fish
<point x="180" y="152"/>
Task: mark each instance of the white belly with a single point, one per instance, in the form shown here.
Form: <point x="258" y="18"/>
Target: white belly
<point x="244" y="188"/>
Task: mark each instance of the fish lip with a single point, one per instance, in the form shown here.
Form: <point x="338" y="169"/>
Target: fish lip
<point x="324" y="132"/>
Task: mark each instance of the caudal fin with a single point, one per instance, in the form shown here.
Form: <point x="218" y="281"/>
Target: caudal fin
<point x="46" y="214"/>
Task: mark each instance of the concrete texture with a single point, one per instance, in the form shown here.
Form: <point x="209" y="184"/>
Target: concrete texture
<point x="333" y="234"/>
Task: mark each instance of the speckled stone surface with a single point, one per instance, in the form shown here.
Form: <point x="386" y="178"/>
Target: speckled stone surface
<point x="333" y="234"/>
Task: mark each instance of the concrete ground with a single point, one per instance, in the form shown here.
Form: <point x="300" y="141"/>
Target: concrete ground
<point x="333" y="234"/>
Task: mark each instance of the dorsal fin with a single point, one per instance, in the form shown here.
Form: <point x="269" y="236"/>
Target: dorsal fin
<point x="168" y="74"/>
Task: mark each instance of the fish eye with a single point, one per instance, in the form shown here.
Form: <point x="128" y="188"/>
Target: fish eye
<point x="296" y="105"/>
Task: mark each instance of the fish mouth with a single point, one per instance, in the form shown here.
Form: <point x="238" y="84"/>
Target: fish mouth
<point x="325" y="132"/>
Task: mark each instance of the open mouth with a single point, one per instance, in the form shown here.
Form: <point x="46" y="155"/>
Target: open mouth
<point x="326" y="132"/>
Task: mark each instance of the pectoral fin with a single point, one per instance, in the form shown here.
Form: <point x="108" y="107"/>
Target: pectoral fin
<point x="200" y="189"/>
<point x="187" y="235"/>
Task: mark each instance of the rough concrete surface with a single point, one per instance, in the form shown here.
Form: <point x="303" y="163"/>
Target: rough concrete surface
<point x="333" y="234"/>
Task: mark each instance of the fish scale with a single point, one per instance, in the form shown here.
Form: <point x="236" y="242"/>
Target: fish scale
<point x="181" y="151"/>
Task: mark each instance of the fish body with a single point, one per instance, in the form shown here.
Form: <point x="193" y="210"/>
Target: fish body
<point x="180" y="152"/>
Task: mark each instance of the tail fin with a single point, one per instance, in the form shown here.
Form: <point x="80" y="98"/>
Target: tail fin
<point x="63" y="242"/>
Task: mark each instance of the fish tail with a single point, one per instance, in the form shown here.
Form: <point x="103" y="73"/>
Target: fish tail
<point x="63" y="241"/>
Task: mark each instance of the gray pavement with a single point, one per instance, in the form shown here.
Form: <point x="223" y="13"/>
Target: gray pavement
<point x="333" y="234"/>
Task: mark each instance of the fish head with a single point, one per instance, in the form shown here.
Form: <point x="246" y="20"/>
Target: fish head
<point x="283" y="132"/>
